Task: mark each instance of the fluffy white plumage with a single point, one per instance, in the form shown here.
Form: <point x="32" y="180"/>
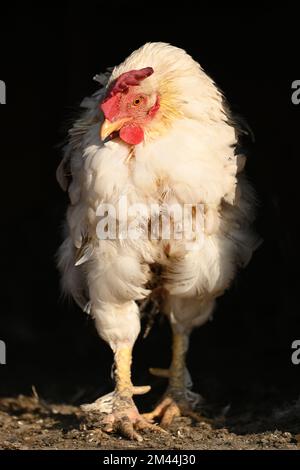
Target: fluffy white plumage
<point x="188" y="156"/>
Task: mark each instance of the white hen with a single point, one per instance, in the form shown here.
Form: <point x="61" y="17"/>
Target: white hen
<point x="156" y="135"/>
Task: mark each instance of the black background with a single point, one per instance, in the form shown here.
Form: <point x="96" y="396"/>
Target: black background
<point x="48" y="58"/>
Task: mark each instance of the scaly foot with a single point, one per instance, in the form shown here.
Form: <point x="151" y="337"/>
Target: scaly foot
<point x="177" y="401"/>
<point x="173" y="404"/>
<point x="121" y="415"/>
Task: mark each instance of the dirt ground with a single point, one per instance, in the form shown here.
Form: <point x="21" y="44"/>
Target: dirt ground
<point x="30" y="423"/>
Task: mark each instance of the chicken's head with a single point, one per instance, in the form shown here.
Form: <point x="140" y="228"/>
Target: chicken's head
<point x="127" y="108"/>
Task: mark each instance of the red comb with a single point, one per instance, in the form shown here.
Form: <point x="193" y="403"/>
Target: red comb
<point x="127" y="79"/>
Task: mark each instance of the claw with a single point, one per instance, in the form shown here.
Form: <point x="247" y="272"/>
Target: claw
<point x="141" y="389"/>
<point x="158" y="410"/>
<point x="128" y="422"/>
<point x="121" y="415"/>
<point x="143" y="425"/>
<point x="171" y="407"/>
<point x="160" y="372"/>
<point x="125" y="427"/>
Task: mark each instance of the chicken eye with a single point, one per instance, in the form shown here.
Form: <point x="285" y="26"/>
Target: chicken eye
<point x="137" y="101"/>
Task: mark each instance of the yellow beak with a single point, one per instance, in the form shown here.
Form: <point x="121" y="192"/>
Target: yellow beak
<point x="109" y="127"/>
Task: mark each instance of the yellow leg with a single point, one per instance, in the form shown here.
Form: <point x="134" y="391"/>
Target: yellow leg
<point x="123" y="359"/>
<point x="124" y="387"/>
<point x="178" y="399"/>
<point x="177" y="371"/>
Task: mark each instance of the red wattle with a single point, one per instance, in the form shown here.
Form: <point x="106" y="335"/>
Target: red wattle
<point x="132" y="134"/>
